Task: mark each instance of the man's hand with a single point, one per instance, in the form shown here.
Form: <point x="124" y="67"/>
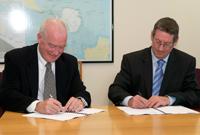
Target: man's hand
<point x="74" y="105"/>
<point x="49" y="106"/>
<point x="157" y="101"/>
<point x="137" y="102"/>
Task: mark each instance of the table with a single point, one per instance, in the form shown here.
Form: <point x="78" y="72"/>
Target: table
<point x="110" y="122"/>
<point x="1" y="112"/>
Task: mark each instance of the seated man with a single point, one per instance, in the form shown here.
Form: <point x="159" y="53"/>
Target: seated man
<point x="42" y="78"/>
<point x="159" y="75"/>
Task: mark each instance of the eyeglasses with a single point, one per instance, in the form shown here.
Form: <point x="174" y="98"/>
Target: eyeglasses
<point x="54" y="47"/>
<point x="164" y="44"/>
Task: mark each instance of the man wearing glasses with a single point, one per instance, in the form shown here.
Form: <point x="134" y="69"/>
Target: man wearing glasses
<point x="42" y="78"/>
<point x="159" y="75"/>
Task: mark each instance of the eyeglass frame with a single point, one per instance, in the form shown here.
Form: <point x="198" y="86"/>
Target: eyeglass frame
<point x="164" y="44"/>
<point x="52" y="46"/>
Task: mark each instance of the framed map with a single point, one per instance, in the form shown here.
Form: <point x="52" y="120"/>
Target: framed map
<point x="89" y="22"/>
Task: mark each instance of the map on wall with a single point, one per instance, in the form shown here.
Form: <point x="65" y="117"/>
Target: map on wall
<point x="89" y="25"/>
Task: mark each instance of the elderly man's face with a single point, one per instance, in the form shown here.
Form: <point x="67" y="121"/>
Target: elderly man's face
<point x="51" y="46"/>
<point x="162" y="44"/>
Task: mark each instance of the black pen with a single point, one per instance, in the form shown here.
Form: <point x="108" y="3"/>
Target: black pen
<point x="139" y="93"/>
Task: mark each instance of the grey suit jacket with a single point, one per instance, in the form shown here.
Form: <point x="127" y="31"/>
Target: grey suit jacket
<point x="136" y="77"/>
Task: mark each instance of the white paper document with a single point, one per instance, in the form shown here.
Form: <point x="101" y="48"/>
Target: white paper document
<point x="160" y="110"/>
<point x="133" y="111"/>
<point x="62" y="116"/>
<point x="89" y="111"/>
<point x="176" y="110"/>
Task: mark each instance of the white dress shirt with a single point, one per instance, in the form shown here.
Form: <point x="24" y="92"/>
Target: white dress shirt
<point x="41" y="74"/>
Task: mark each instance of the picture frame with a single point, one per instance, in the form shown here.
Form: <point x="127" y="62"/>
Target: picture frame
<point x="89" y="23"/>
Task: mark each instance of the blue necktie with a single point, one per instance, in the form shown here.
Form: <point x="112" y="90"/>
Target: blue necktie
<point x="158" y="77"/>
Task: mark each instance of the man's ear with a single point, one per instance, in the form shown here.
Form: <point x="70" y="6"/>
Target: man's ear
<point x="152" y="36"/>
<point x="176" y="42"/>
<point x="39" y="37"/>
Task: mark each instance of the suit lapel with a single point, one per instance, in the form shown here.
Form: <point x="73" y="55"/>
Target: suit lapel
<point x="169" y="72"/>
<point x="147" y="70"/>
<point x="61" y="78"/>
<point x="32" y="71"/>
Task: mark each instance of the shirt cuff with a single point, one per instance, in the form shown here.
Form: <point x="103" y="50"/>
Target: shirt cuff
<point x="125" y="101"/>
<point x="32" y="106"/>
<point x="84" y="102"/>
<point x="171" y="100"/>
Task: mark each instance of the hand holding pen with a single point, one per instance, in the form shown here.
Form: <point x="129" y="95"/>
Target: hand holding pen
<point x="137" y="101"/>
<point x="74" y="105"/>
<point x="49" y="106"/>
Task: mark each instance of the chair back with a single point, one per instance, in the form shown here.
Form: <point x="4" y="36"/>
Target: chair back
<point x="198" y="76"/>
<point x="80" y="68"/>
<point x="1" y="109"/>
<point x="1" y="75"/>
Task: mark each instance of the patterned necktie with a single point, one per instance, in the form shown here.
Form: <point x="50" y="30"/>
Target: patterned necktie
<point x="49" y="83"/>
<point x="158" y="77"/>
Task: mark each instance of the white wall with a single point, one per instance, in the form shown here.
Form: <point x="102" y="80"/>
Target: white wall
<point x="133" y="22"/>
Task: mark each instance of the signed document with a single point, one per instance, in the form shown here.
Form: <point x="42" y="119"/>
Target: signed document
<point x="62" y="116"/>
<point x="159" y="110"/>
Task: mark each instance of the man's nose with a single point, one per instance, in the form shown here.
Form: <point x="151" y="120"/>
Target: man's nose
<point x="161" y="47"/>
<point x="56" y="52"/>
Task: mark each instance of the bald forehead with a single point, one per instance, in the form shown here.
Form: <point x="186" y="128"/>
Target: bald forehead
<point x="55" y="25"/>
<point x="54" y="30"/>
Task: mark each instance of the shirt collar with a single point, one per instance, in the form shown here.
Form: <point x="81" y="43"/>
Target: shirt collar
<point x="155" y="59"/>
<point x="40" y="58"/>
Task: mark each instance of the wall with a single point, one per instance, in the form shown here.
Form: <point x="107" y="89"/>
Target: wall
<point x="133" y="22"/>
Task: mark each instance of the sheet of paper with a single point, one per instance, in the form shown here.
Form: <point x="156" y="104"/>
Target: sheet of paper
<point x="160" y="110"/>
<point x="59" y="116"/>
<point x="177" y="110"/>
<point x="91" y="111"/>
<point x="132" y="111"/>
<point x="65" y="116"/>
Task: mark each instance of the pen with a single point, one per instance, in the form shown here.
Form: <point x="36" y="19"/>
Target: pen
<point x="160" y="110"/>
<point x="139" y="93"/>
<point x="50" y="96"/>
<point x="80" y="113"/>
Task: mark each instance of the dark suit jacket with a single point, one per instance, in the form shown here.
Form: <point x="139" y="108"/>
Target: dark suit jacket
<point x="136" y="77"/>
<point x="20" y="79"/>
